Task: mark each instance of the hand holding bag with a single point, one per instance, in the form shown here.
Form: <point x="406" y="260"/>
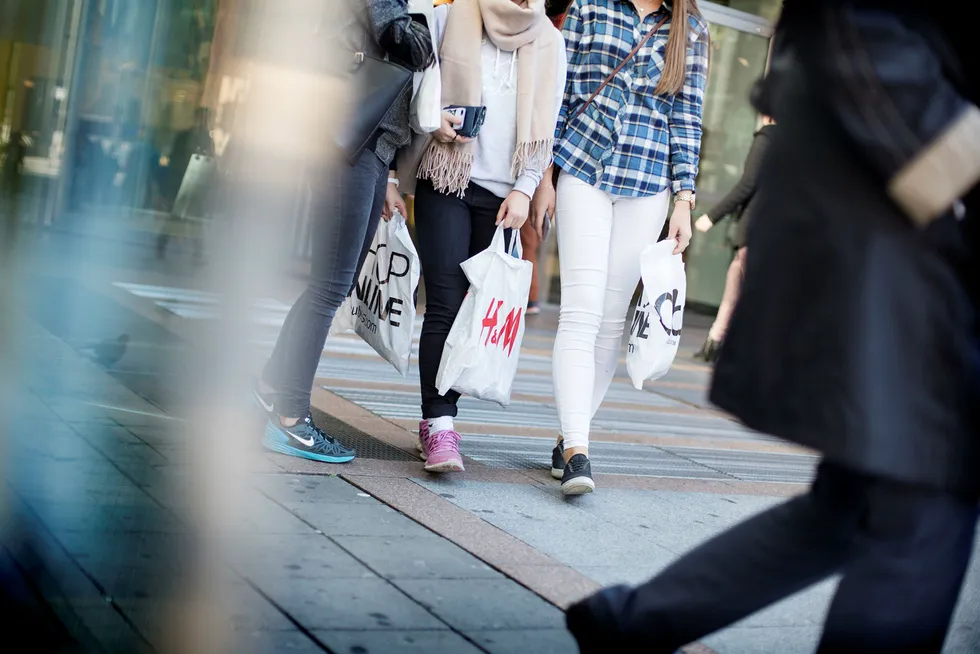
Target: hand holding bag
<point x="658" y="319"/>
<point x="482" y="350"/>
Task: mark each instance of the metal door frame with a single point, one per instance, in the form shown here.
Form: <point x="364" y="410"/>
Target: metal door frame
<point x="735" y="19"/>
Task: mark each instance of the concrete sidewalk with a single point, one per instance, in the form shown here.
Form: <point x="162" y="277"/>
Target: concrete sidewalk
<point x="375" y="556"/>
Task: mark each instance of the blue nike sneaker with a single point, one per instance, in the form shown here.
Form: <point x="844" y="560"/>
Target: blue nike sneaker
<point x="307" y="441"/>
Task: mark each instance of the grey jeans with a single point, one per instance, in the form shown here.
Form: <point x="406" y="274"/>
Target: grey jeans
<point x="346" y="210"/>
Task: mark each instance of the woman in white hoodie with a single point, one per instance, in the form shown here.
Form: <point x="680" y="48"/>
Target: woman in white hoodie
<point x="504" y="55"/>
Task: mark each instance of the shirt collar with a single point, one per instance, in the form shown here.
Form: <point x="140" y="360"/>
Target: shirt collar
<point x="665" y="6"/>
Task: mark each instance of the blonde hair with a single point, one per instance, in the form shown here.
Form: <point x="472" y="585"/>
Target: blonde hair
<point x="673" y="75"/>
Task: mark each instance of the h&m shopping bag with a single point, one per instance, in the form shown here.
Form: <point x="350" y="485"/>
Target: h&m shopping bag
<point x="655" y="331"/>
<point x="381" y="309"/>
<point x="483" y="346"/>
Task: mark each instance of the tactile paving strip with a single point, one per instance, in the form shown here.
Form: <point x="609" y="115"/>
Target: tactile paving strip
<point x="519" y="452"/>
<point x="367" y="446"/>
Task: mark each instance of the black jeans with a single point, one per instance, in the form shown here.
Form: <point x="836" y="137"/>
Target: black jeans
<point x="449" y="230"/>
<point x="903" y="552"/>
<point x="347" y="206"/>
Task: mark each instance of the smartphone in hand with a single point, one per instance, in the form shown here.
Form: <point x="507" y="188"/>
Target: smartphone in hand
<point x="472" y="117"/>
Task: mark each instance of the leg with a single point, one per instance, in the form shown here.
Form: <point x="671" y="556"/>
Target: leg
<point x="740" y="571"/>
<point x="532" y="245"/>
<point x="584" y="216"/>
<point x="733" y="283"/>
<point x="637" y="223"/>
<point x="442" y="226"/>
<point x="344" y="215"/>
<point x="899" y="594"/>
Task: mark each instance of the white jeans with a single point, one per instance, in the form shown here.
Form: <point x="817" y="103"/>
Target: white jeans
<point x="600" y="237"/>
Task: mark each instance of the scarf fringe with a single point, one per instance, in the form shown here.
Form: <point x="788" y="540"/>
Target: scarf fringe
<point x="531" y="154"/>
<point x="447" y="167"/>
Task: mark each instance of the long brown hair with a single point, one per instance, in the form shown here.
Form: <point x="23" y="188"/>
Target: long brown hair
<point x="675" y="54"/>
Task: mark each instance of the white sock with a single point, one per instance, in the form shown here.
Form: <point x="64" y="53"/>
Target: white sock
<point x="442" y="423"/>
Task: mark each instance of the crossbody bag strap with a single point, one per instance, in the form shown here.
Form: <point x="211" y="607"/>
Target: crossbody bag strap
<point x="620" y="67"/>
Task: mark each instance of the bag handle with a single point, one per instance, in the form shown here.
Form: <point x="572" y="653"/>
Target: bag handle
<point x="619" y="68"/>
<point x="499" y="243"/>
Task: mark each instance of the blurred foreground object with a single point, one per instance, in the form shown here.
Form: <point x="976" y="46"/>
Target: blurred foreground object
<point x="856" y="336"/>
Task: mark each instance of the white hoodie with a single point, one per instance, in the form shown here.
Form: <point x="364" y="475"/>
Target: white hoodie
<point x="497" y="140"/>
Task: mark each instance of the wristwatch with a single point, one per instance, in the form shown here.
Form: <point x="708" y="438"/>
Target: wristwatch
<point x="685" y="196"/>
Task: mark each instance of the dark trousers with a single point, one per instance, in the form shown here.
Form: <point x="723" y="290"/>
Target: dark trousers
<point x="903" y="553"/>
<point x="347" y="206"/>
<point x="449" y="230"/>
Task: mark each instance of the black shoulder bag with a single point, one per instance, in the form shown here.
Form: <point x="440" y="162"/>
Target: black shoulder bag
<point x="374" y="85"/>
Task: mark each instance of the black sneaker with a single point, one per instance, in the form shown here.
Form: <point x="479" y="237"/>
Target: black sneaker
<point x="577" y="478"/>
<point x="305" y="440"/>
<point x="558" y="460"/>
<point x="265" y="401"/>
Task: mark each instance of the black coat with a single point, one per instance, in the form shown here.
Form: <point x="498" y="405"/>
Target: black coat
<point x="738" y="204"/>
<point x="855" y="332"/>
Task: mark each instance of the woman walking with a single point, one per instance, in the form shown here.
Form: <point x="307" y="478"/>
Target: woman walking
<point x="504" y="55"/>
<point x="346" y="208"/>
<point x="627" y="144"/>
<point x="739" y="205"/>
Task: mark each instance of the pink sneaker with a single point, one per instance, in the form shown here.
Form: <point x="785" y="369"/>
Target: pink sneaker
<point x="423" y="435"/>
<point x="441" y="451"/>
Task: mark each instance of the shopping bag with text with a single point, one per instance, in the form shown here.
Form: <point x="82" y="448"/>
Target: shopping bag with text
<point x="655" y="331"/>
<point x="484" y="344"/>
<point x="381" y="308"/>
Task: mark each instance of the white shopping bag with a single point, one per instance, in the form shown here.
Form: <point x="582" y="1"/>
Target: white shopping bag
<point x="426" y="110"/>
<point x="655" y="332"/>
<point x="483" y="346"/>
<point x="381" y="309"/>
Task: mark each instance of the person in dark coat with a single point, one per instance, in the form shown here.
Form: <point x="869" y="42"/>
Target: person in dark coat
<point x="739" y="206"/>
<point x="856" y="335"/>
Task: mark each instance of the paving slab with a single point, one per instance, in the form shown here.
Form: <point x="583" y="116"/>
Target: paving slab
<point x="350" y="604"/>
<point x="483" y="603"/>
<point x="396" y="642"/>
<point x="413" y="557"/>
<point x="539" y="641"/>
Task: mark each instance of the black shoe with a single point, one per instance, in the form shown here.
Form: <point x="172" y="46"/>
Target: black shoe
<point x="558" y="460"/>
<point x="709" y="351"/>
<point x="577" y="478"/>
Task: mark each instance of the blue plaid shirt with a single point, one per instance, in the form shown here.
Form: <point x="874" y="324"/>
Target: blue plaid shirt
<point x="629" y="141"/>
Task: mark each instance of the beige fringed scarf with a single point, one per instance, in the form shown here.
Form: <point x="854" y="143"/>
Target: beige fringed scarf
<point x="522" y="27"/>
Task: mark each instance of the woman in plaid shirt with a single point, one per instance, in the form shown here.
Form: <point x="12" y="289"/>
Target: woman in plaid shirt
<point x="624" y="149"/>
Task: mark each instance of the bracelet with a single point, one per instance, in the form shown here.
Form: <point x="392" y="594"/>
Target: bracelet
<point x="394" y="180"/>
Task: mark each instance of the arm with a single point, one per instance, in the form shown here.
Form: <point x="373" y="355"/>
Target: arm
<point x="406" y="41"/>
<point x="684" y="122"/>
<point x="887" y="87"/>
<point x="745" y="187"/>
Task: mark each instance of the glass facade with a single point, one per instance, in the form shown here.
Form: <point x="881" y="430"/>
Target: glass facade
<point x="99" y="92"/>
<point x="738" y="59"/>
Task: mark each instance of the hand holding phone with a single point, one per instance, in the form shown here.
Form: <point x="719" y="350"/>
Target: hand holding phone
<point x="472" y="119"/>
<point x="447" y="132"/>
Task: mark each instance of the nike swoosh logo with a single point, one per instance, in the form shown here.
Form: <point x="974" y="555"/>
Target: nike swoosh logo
<point x="258" y="398"/>
<point x="308" y="442"/>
